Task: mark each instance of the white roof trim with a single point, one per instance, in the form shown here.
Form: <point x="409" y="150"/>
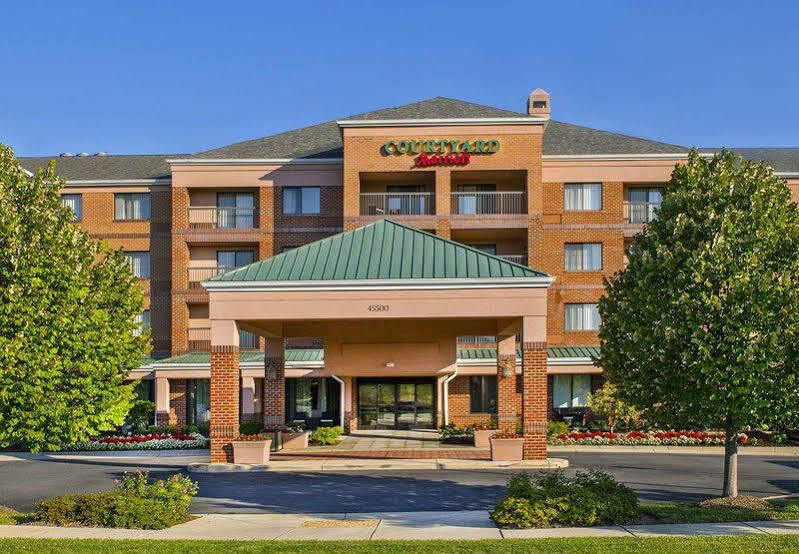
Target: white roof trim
<point x="242" y="365"/>
<point x="117" y="182"/>
<point x="254" y="161"/>
<point x="550" y="361"/>
<point x="618" y="157"/>
<point x="441" y="122"/>
<point x="381" y="284"/>
<point x="570" y="361"/>
<point x="787" y="174"/>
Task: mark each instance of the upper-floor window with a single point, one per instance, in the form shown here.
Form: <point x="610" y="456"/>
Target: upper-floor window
<point x="583" y="256"/>
<point x="139" y="263"/>
<point x="483" y="394"/>
<point x="487" y="248"/>
<point x="132" y="206"/>
<point x="479" y="202"/>
<point x="235" y="210"/>
<point x="581" y="317"/>
<point x="642" y="203"/>
<point x="143" y="319"/>
<point x="234" y="258"/>
<point x="74" y="201"/>
<point x="301" y="200"/>
<point x="582" y="196"/>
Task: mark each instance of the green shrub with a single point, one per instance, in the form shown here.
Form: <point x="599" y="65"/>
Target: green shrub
<point x="251" y="427"/>
<point x="85" y="509"/>
<point x="326" y="435"/>
<point x="132" y="512"/>
<point x="204" y="429"/>
<point x="555" y="428"/>
<point x="139" y="414"/>
<point x="587" y="499"/>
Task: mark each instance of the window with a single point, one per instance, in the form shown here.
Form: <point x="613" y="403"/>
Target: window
<point x="198" y="401"/>
<point x="581" y="317"/>
<point x="477" y="203"/>
<point x="143" y="319"/>
<point x="642" y="204"/>
<point x="235" y="210"/>
<point x="139" y="263"/>
<point x="583" y="256"/>
<point x="300" y="200"/>
<point x="406" y="200"/>
<point x="582" y="196"/>
<point x="132" y="206"/>
<point x="487" y="248"/>
<point x="483" y="394"/>
<point x="234" y="258"/>
<point x="74" y="201"/>
<point x="570" y="390"/>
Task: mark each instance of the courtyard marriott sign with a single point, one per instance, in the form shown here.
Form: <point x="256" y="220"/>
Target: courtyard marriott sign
<point x="440" y="152"/>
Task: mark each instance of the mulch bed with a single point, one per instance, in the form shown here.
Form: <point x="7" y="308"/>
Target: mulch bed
<point x="737" y="502"/>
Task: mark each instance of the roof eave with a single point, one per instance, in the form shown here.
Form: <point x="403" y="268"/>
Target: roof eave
<point x="381" y="284"/>
<point x="343" y="123"/>
<point x="251" y="161"/>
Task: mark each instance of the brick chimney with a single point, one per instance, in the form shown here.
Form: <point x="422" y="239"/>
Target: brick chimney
<point x="538" y="103"/>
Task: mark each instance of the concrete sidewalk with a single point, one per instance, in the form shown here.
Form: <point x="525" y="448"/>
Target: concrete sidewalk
<point x="385" y="525"/>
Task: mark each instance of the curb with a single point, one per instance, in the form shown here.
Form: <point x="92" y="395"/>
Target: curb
<point x="377" y="465"/>
<point x="786" y="451"/>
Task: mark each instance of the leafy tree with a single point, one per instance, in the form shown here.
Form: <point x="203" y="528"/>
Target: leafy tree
<point x="605" y="403"/>
<point x="702" y="326"/>
<point x="68" y="333"/>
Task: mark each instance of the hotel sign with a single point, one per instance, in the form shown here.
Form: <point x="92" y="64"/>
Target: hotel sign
<point x="434" y="152"/>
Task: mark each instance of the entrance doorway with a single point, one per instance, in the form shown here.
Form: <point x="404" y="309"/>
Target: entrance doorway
<point x="396" y="404"/>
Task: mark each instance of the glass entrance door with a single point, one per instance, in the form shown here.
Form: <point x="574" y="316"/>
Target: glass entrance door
<point x="396" y="404"/>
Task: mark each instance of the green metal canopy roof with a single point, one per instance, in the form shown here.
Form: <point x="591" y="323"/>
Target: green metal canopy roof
<point x="383" y="250"/>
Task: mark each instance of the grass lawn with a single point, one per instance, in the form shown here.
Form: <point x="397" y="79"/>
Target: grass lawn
<point x="776" y="543"/>
<point x="687" y="513"/>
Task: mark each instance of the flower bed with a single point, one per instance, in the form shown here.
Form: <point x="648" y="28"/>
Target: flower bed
<point x="652" y="438"/>
<point x="154" y="441"/>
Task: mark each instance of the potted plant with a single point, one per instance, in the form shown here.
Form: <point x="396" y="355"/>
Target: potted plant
<point x="251" y="449"/>
<point x="507" y="447"/>
<point x="482" y="433"/>
<point x="295" y="437"/>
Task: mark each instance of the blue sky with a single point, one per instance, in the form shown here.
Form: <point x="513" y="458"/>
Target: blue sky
<point x="178" y="77"/>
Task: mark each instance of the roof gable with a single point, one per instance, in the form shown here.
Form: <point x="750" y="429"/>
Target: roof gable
<point x="383" y="250"/>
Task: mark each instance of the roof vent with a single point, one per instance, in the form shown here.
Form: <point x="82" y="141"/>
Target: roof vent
<point x="66" y="155"/>
<point x="83" y="154"/>
<point x="538" y="103"/>
<point x="101" y="154"/>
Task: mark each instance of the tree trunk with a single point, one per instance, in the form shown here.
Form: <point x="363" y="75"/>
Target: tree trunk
<point x="730" y="459"/>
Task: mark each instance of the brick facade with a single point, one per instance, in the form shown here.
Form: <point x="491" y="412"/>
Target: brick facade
<point x="534" y="396"/>
<point x="225" y="383"/>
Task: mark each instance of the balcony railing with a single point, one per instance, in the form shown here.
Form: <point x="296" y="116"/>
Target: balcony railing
<point x="477" y="339"/>
<point x="248" y="341"/>
<point x="199" y="339"/>
<point x="222" y="218"/>
<point x="397" y="203"/>
<point x="494" y="203"/>
<point x="640" y="212"/>
<point x="515" y="258"/>
<point x="199" y="274"/>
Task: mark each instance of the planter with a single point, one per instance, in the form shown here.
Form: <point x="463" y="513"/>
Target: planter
<point x="251" y="452"/>
<point x="481" y="437"/>
<point x="296" y="441"/>
<point x="507" y="450"/>
<point x="277" y="438"/>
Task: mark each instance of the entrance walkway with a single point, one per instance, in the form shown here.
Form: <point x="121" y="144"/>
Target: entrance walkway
<point x="419" y="444"/>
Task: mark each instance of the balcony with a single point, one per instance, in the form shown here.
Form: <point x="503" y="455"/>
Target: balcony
<point x="221" y="218"/>
<point x="489" y="203"/>
<point x="199" y="274"/>
<point x="639" y="213"/>
<point x="520" y="259"/>
<point x="397" y="203"/>
<point x="199" y="339"/>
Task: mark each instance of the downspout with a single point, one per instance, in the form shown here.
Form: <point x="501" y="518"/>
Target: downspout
<point x="340" y="401"/>
<point x="446" y="395"/>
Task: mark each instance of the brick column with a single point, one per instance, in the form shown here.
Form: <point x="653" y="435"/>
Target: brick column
<point x="266" y="221"/>
<point x="225" y="379"/>
<point x="534" y="400"/>
<point x="443" y="204"/>
<point x="274" y="404"/>
<point x="177" y="402"/>
<point x="506" y="383"/>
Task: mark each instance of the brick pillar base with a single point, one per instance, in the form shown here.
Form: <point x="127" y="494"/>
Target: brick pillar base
<point x="351" y="411"/>
<point x="224" y="402"/>
<point x="534" y="400"/>
<point x="443" y="228"/>
<point x="274" y="392"/>
<point x="506" y="393"/>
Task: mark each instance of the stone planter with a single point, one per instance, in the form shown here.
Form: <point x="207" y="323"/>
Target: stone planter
<point x="481" y="437"/>
<point x="251" y="452"/>
<point x="296" y="441"/>
<point x="507" y="450"/>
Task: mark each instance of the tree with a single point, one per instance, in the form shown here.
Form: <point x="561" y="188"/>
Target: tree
<point x="68" y="329"/>
<point x="605" y="403"/>
<point x="701" y="327"/>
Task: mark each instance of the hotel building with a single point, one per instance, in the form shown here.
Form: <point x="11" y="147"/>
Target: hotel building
<point x="435" y="262"/>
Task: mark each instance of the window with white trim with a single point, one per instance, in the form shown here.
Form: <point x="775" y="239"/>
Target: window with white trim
<point x="582" y="196"/>
<point x="581" y="317"/>
<point x="74" y="201"/>
<point x="301" y="200"/>
<point x="131" y="206"/>
<point x="139" y="263"/>
<point x="582" y="256"/>
<point x="143" y="319"/>
<point x="570" y="390"/>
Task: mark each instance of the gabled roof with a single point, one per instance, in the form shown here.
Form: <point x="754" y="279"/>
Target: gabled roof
<point x="383" y="250"/>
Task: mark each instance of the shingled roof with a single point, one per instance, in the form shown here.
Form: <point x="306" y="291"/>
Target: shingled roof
<point x="383" y="250"/>
<point x="783" y="160"/>
<point x="80" y="168"/>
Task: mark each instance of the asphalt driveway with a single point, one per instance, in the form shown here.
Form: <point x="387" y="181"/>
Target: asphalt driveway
<point x="656" y="477"/>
